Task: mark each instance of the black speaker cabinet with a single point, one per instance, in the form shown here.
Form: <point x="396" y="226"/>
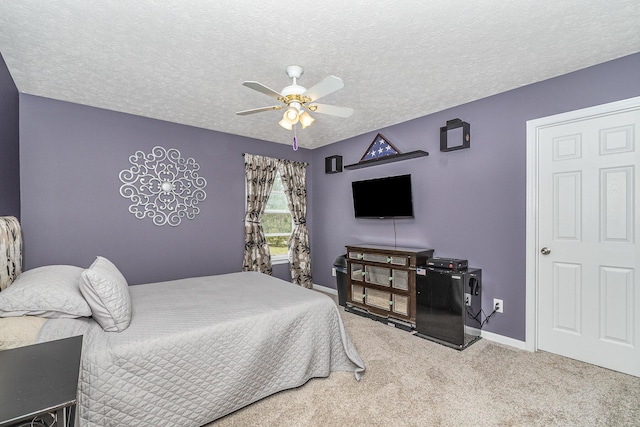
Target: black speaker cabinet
<point x="448" y="305"/>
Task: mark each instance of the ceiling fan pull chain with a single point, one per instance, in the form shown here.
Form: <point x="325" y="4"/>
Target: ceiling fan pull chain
<point x="295" y="139"/>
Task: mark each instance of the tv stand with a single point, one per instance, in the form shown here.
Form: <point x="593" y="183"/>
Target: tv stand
<point x="381" y="281"/>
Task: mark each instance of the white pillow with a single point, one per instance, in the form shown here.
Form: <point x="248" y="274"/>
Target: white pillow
<point x="19" y="331"/>
<point x="51" y="291"/>
<point x="107" y="292"/>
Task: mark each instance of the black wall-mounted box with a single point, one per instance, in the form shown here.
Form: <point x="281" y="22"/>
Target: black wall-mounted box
<point x="333" y="164"/>
<point x="456" y="135"/>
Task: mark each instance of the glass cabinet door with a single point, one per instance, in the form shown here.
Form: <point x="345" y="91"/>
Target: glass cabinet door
<point x="400" y="304"/>
<point x="377" y="275"/>
<point x="400" y="279"/>
<point x="398" y="260"/>
<point x="356" y="272"/>
<point x="357" y="293"/>
<point x="377" y="298"/>
<point x="376" y="258"/>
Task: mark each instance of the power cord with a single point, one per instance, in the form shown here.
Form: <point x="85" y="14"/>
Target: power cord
<point x="395" y="236"/>
<point x="481" y="313"/>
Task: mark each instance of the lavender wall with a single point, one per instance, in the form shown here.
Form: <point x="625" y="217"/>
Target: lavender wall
<point x="72" y="211"/>
<point x="9" y="144"/>
<point x="470" y="203"/>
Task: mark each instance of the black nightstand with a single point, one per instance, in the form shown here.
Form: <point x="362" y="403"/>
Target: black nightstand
<point x="40" y="379"/>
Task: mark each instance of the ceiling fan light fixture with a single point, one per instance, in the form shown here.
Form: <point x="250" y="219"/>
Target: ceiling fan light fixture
<point x="285" y="124"/>
<point x="291" y="116"/>
<point x="296" y="100"/>
<point x="306" y="119"/>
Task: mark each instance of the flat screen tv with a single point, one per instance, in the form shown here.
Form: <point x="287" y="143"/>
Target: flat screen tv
<point x="388" y="197"/>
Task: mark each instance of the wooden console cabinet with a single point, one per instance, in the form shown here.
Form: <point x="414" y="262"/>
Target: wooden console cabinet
<point x="382" y="280"/>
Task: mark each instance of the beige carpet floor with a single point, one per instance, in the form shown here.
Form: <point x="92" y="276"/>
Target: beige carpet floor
<point x="410" y="381"/>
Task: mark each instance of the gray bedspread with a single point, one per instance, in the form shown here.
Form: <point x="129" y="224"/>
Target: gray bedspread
<point x="200" y="348"/>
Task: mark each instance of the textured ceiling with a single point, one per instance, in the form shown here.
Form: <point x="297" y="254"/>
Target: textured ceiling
<point x="185" y="61"/>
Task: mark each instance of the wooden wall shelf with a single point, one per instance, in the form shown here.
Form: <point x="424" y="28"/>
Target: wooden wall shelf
<point x="388" y="159"/>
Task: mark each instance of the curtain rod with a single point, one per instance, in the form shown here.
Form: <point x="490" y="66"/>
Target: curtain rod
<point x="288" y="160"/>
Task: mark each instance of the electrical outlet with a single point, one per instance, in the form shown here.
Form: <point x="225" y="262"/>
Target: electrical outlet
<point x="498" y="305"/>
<point x="333" y="272"/>
<point x="467" y="299"/>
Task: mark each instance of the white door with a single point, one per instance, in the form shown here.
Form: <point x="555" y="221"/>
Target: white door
<point x="587" y="249"/>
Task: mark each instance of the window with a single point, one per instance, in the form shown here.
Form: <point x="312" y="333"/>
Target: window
<point x="277" y="222"/>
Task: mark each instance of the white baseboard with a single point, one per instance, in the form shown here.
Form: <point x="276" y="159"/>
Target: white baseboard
<point x="325" y="289"/>
<point x="503" y="340"/>
<point x="490" y="336"/>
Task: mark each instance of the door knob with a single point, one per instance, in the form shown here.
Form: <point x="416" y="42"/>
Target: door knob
<point x="545" y="251"/>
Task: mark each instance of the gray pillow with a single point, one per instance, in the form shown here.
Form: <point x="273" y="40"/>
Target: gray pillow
<point x="51" y="291"/>
<point x="107" y="292"/>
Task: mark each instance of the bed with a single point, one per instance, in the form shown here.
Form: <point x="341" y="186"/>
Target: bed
<point x="193" y="350"/>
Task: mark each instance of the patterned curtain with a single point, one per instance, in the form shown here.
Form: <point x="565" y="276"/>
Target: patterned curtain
<point x="10" y="250"/>
<point x="293" y="175"/>
<point x="260" y="173"/>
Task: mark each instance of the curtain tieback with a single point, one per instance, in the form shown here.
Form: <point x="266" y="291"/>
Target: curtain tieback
<point x="300" y="221"/>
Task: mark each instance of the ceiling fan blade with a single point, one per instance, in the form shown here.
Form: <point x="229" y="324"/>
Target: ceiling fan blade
<point x="263" y="89"/>
<point x="258" y="110"/>
<point x="324" y="87"/>
<point x="332" y="110"/>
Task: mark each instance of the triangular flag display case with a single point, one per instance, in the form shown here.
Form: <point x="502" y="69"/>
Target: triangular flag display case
<point x="382" y="151"/>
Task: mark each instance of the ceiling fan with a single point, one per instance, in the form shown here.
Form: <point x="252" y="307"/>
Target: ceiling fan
<point x="297" y="99"/>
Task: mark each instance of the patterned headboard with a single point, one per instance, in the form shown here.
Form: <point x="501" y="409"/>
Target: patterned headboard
<point x="10" y="250"/>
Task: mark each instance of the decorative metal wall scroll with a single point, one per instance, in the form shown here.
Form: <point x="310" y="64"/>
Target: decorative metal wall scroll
<point x="163" y="186"/>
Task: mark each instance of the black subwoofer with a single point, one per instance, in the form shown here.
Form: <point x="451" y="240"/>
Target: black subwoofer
<point x="448" y="306"/>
